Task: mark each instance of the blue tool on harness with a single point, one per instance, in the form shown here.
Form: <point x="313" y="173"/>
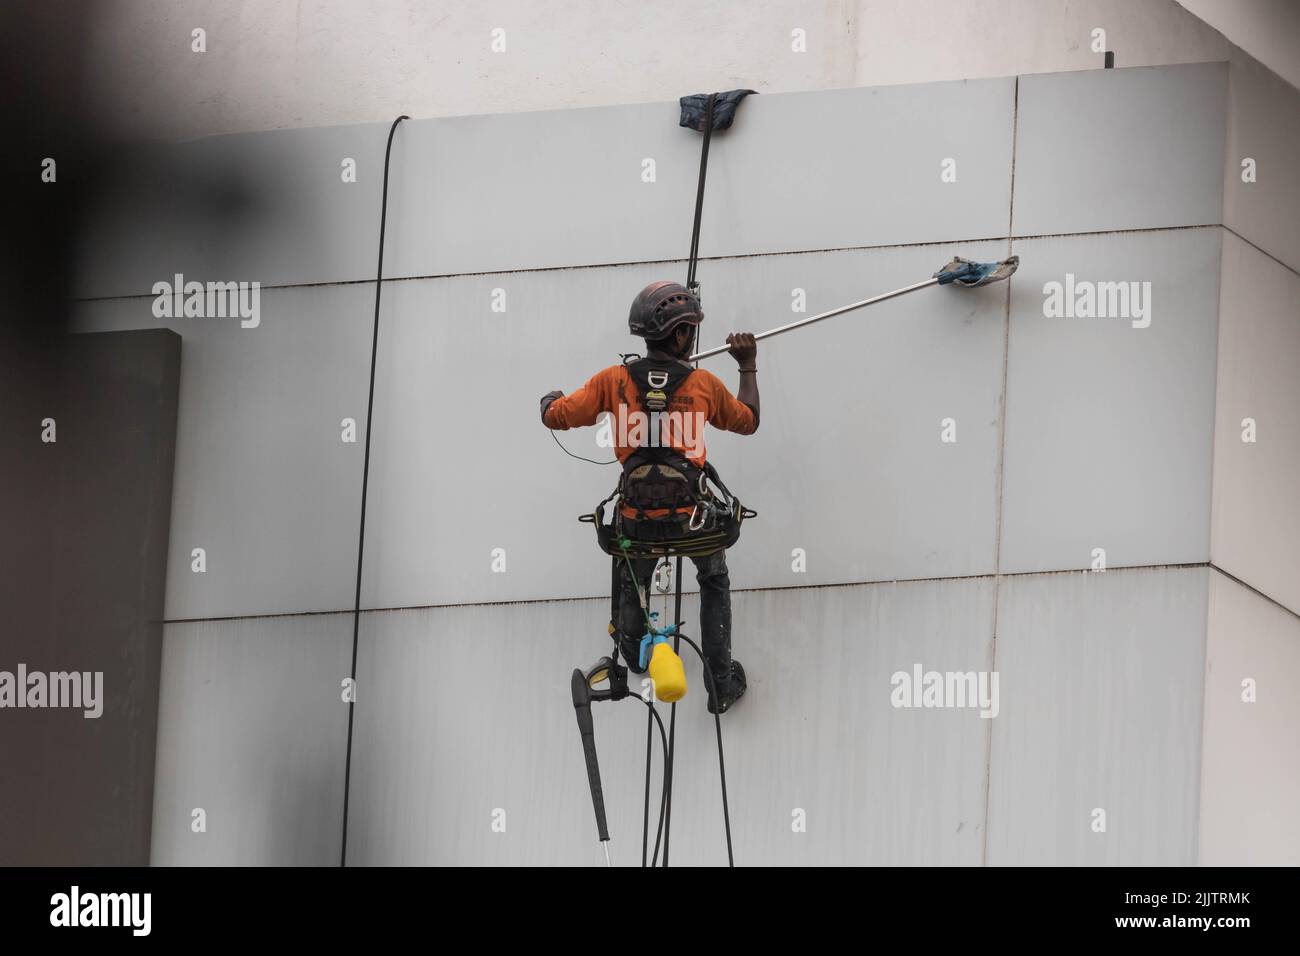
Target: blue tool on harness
<point x="659" y="658"/>
<point x="657" y="635"/>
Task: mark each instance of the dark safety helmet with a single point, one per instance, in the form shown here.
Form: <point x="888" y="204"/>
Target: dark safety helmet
<point x="660" y="307"/>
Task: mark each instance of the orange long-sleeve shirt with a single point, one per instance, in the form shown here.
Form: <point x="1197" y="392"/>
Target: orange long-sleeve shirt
<point x="702" y="396"/>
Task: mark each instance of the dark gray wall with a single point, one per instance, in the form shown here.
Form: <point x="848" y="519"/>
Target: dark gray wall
<point x="84" y="574"/>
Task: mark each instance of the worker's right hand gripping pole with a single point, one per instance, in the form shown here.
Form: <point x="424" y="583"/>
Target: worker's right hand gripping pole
<point x="582" y="707"/>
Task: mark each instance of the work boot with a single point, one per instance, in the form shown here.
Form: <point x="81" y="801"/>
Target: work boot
<point x="729" y="691"/>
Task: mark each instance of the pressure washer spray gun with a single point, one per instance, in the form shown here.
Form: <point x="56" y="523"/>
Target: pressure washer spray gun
<point x="607" y="680"/>
<point x="585" y="687"/>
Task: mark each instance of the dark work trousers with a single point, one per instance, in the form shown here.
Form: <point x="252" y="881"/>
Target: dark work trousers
<point x="715" y="611"/>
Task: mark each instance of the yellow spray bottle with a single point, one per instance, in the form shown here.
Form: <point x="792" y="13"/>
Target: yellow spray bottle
<point x="666" y="669"/>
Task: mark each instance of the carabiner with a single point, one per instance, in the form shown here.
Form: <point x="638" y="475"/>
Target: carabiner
<point x="691" y="525"/>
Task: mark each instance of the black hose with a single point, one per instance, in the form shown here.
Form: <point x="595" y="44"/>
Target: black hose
<point x="365" y="482"/>
<point x="645" y="821"/>
<point x="699" y="193"/>
<point x="654" y="718"/>
<point x="663" y="791"/>
<point x="672" y="718"/>
<point x="722" y="767"/>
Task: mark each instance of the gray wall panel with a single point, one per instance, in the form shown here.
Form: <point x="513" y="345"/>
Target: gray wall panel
<point x="264" y="482"/>
<point x="1250" y="773"/>
<point x="1110" y="427"/>
<point x="1263" y="125"/>
<point x="852" y="413"/>
<point x="252" y="728"/>
<point x="269" y="207"/>
<point x="465" y="197"/>
<point x="1256" y="522"/>
<point x="477" y="202"/>
<point x="1120" y="149"/>
<point x="465" y="710"/>
<point x="1101" y="678"/>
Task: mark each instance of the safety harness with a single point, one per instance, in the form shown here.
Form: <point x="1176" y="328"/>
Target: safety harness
<point x="698" y="513"/>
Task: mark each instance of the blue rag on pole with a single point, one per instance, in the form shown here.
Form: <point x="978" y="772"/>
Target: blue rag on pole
<point x="970" y="273"/>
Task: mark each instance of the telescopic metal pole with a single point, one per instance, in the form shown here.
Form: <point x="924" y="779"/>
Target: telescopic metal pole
<point x="825" y="315"/>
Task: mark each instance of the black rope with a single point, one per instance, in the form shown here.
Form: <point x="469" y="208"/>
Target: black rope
<point x="722" y="766"/>
<point x="665" y="798"/>
<point x="365" y="483"/>
<point x="663" y="792"/>
<point x="654" y="718"/>
<point x="691" y="285"/>
<point x="645" y="821"/>
<point x="664" y="827"/>
<point x="672" y="718"/>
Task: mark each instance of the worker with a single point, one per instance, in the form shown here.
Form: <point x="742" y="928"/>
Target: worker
<point x="658" y="407"/>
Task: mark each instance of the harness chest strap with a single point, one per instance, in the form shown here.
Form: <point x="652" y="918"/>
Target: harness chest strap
<point x="657" y="380"/>
<point x="657" y="476"/>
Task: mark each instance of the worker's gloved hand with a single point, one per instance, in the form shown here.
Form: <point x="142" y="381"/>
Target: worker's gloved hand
<point x="743" y="348"/>
<point x="546" y="402"/>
